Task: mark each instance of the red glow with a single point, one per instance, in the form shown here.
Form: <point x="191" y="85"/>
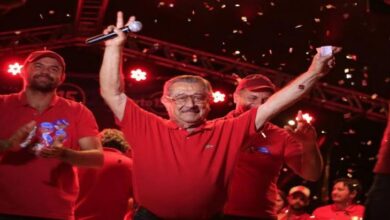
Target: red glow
<point x="218" y="97"/>
<point x="15" y="69"/>
<point x="138" y="74"/>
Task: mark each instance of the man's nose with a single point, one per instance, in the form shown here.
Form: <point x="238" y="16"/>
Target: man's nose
<point x="190" y="101"/>
<point x="45" y="70"/>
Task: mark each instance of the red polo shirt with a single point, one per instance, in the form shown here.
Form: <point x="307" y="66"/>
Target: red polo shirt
<point x="287" y="215"/>
<point x="34" y="186"/>
<point x="383" y="163"/>
<point x="105" y="192"/>
<point x="330" y="212"/>
<point x="253" y="189"/>
<point x="178" y="175"/>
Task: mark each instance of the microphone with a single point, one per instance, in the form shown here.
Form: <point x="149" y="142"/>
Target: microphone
<point x="134" y="26"/>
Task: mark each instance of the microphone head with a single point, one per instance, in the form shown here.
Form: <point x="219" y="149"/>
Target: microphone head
<point x="135" y="26"/>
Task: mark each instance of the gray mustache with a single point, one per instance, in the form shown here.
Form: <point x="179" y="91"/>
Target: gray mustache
<point x="194" y="110"/>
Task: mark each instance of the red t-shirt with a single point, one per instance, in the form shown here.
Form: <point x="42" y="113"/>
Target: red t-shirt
<point x="105" y="192"/>
<point x="285" y="215"/>
<point x="330" y="212"/>
<point x="35" y="186"/>
<point x="383" y="163"/>
<point x="253" y="189"/>
<point x="178" y="175"/>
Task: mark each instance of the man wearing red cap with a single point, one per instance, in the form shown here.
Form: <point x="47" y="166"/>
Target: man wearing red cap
<point x="298" y="199"/>
<point x="253" y="187"/>
<point x="37" y="177"/>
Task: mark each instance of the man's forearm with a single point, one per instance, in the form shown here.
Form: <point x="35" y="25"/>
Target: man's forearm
<point x="84" y="158"/>
<point x="111" y="81"/>
<point x="110" y="78"/>
<point x="311" y="163"/>
<point x="287" y="96"/>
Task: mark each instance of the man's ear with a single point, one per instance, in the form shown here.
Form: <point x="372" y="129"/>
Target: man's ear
<point x="235" y="98"/>
<point x="163" y="100"/>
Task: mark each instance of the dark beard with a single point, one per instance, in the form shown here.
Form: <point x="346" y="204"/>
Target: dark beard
<point x="44" y="88"/>
<point x="298" y="209"/>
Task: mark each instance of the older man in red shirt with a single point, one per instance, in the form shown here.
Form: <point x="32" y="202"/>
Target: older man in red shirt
<point x="182" y="165"/>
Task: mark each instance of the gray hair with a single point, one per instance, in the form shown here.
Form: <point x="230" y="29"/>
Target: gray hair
<point x="188" y="79"/>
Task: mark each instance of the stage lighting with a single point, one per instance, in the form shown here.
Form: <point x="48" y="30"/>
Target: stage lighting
<point x="291" y="122"/>
<point x="307" y="117"/>
<point x="138" y="74"/>
<point x="15" y="69"/>
<point x="218" y="97"/>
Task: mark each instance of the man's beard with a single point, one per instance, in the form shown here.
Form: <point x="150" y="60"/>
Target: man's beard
<point x="298" y="208"/>
<point x="47" y="87"/>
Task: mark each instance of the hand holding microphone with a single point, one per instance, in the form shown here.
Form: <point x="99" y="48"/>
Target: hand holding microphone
<point x="132" y="26"/>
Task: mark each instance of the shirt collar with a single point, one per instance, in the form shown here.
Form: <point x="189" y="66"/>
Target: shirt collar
<point x="112" y="149"/>
<point x="349" y="208"/>
<point x="22" y="99"/>
<point x="207" y="125"/>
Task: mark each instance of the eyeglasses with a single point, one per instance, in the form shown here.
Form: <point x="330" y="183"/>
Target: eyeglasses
<point x="182" y="99"/>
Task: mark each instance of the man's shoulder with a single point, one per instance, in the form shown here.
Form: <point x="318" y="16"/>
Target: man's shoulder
<point x="236" y="115"/>
<point x="9" y="97"/>
<point x="358" y="207"/>
<point x="322" y="209"/>
<point x="67" y="103"/>
<point x="273" y="129"/>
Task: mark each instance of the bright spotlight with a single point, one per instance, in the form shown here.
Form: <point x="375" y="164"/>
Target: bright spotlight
<point x="218" y="97"/>
<point x="138" y="74"/>
<point x="15" y="69"/>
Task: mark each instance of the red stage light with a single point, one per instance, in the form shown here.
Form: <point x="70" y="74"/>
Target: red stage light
<point x="15" y="69"/>
<point x="138" y="74"/>
<point x="218" y="97"/>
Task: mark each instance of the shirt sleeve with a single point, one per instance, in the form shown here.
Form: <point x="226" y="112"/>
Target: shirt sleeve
<point x="292" y="146"/>
<point x="246" y="122"/>
<point x="87" y="125"/>
<point x="293" y="151"/>
<point x="137" y="123"/>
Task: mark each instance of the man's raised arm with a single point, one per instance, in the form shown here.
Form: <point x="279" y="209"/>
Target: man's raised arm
<point x="111" y="79"/>
<point x="296" y="89"/>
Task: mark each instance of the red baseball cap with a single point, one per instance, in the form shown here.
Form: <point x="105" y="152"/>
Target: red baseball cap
<point x="33" y="56"/>
<point x="255" y="82"/>
<point x="301" y="189"/>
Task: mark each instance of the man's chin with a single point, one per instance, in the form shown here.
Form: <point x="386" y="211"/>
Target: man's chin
<point x="43" y="89"/>
<point x="192" y="120"/>
<point x="190" y="115"/>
